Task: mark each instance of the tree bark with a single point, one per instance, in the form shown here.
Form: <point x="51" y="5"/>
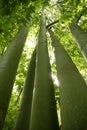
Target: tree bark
<point x="81" y="37"/>
<point x="41" y="106"/>
<point x="53" y="110"/>
<point x="73" y="90"/>
<point x="23" y="117"/>
<point x="8" y="67"/>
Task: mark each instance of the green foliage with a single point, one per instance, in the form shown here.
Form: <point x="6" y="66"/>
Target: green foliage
<point x="11" y="115"/>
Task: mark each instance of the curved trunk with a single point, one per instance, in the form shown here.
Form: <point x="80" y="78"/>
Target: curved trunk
<point x="8" y="67"/>
<point x="81" y="37"/>
<point x="41" y="106"/>
<point x="73" y="90"/>
<point x="23" y="118"/>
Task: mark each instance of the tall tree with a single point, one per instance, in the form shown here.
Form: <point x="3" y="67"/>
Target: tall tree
<point x="23" y="117"/>
<point x="81" y="37"/>
<point x="73" y="90"/>
<point x="41" y="106"/>
<point x="8" y="67"/>
<point x="53" y="109"/>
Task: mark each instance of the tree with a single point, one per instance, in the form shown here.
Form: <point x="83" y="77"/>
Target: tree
<point x="23" y="117"/>
<point x="73" y="90"/>
<point x="53" y="111"/>
<point x="41" y="106"/>
<point x="8" y="70"/>
<point x="81" y="37"/>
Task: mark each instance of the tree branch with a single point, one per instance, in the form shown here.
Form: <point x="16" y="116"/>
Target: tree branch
<point x="79" y="18"/>
<point x="47" y="26"/>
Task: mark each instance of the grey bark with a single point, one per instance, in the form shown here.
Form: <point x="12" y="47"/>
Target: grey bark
<point x="8" y="67"/>
<point x="23" y="117"/>
<point x="53" y="109"/>
<point x="81" y="37"/>
<point x="73" y="90"/>
<point x="41" y="106"/>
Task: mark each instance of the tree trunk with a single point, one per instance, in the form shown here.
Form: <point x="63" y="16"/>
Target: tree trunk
<point x="8" y="67"/>
<point x="54" y="117"/>
<point x="73" y="90"/>
<point x="41" y="106"/>
<point x="81" y="37"/>
<point x="23" y="118"/>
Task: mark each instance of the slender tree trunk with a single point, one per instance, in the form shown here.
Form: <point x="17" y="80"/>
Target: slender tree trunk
<point x="73" y="90"/>
<point x="81" y="37"/>
<point x="23" y="119"/>
<point x="54" y="117"/>
<point x="8" y="67"/>
<point x="41" y="106"/>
